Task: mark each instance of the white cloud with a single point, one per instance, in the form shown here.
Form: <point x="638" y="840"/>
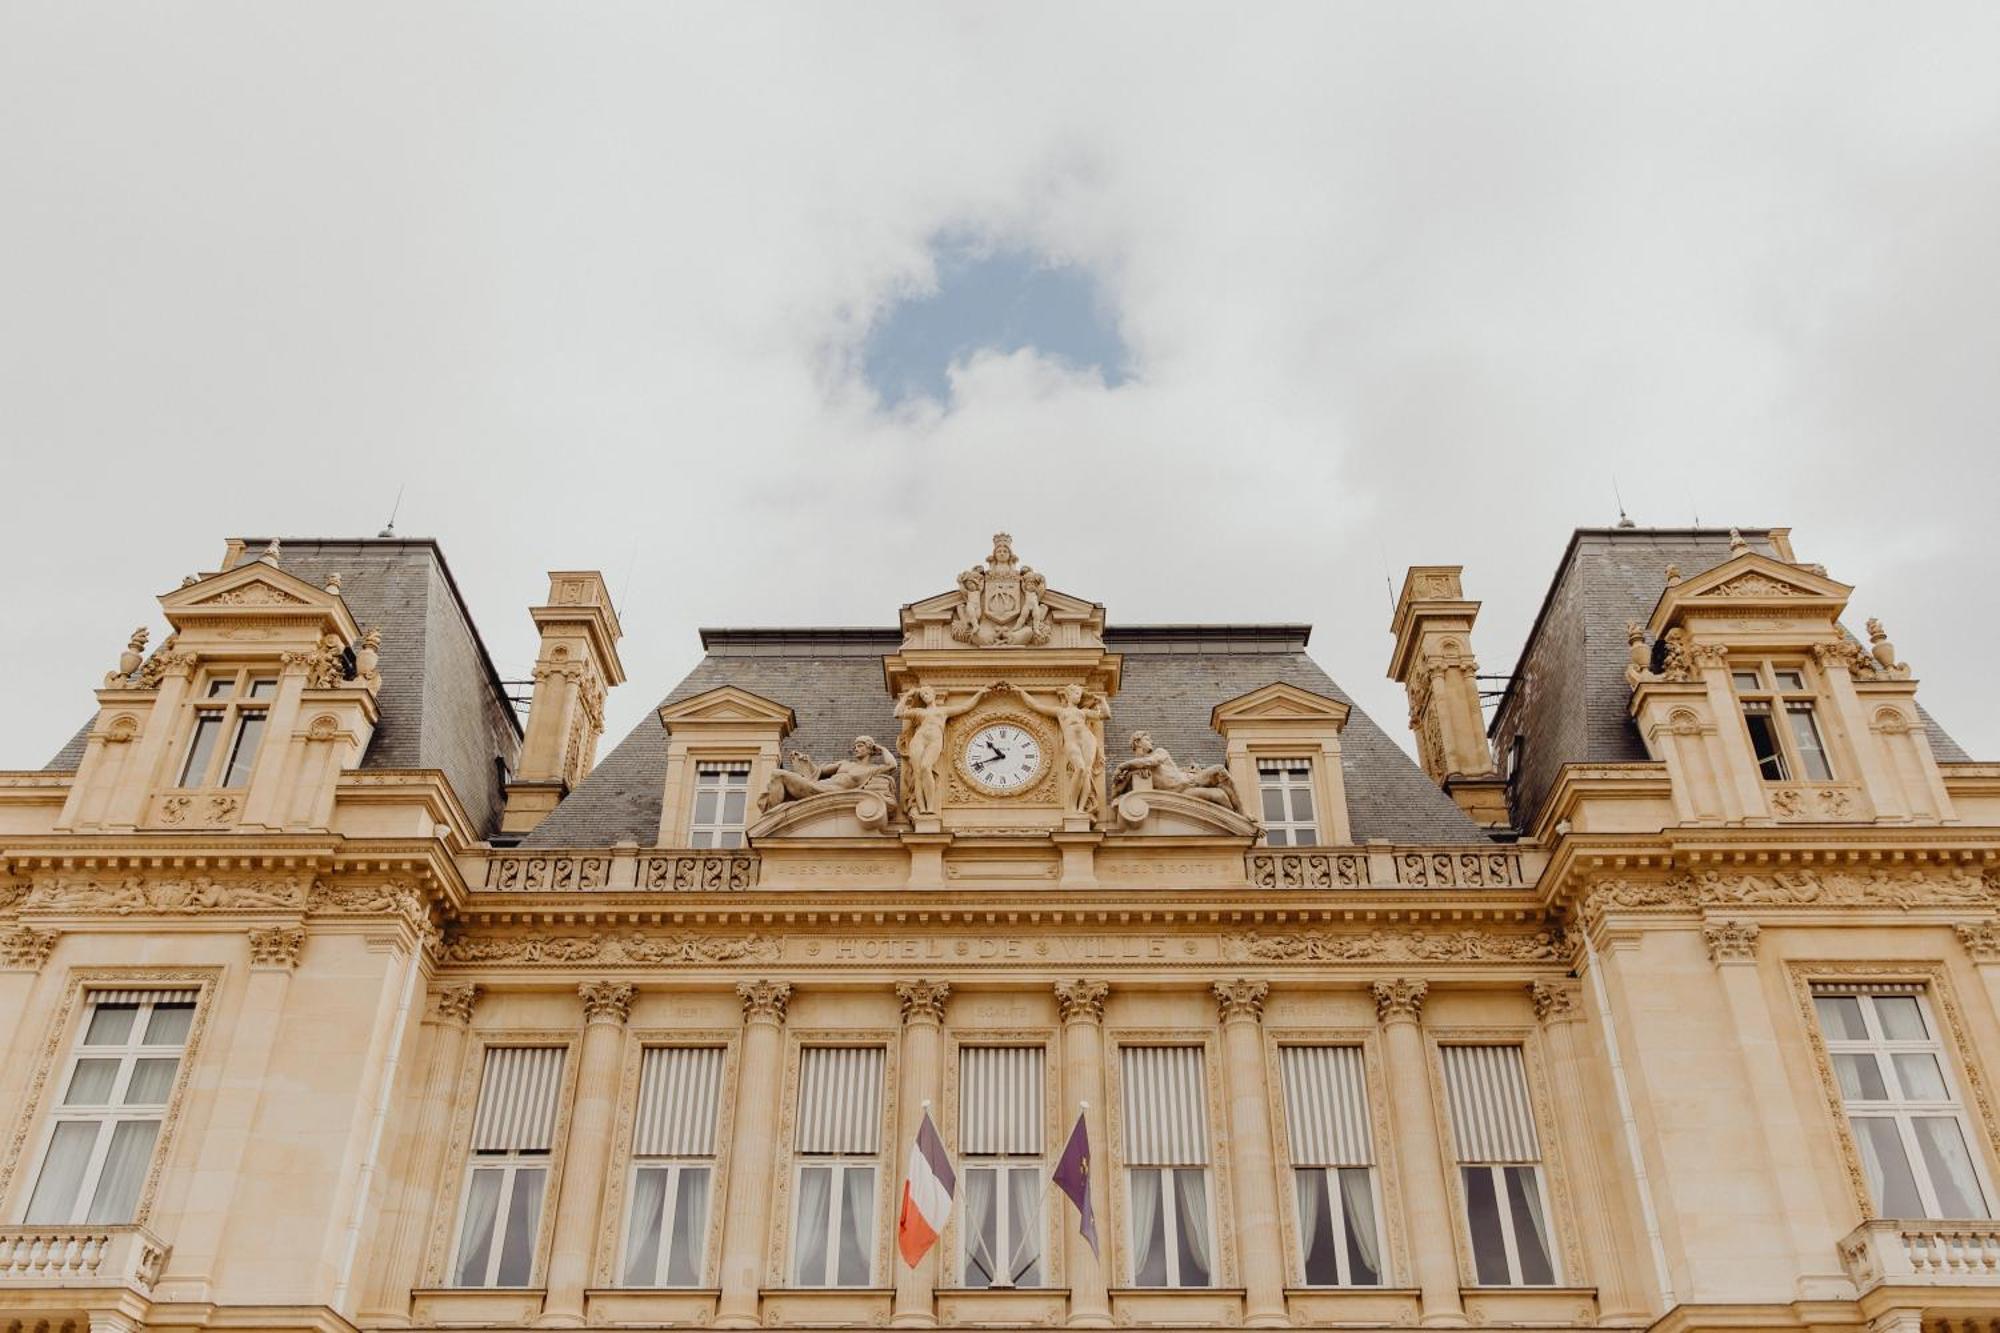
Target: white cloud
<point x="1402" y="283"/>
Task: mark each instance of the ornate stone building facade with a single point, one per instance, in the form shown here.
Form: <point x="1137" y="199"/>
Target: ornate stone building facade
<point x="332" y="998"/>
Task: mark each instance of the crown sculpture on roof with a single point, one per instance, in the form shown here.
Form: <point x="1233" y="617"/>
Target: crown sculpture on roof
<point x="1001" y="602"/>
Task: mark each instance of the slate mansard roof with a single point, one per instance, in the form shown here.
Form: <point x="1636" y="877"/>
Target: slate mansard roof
<point x="1567" y="698"/>
<point x="1173" y="676"/>
<point x="442" y="704"/>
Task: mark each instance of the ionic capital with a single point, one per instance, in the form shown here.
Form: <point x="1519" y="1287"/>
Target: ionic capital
<point x="764" y="1001"/>
<point x="923" y="1001"/>
<point x="1400" y="1000"/>
<point x="1240" y="1000"/>
<point x="606" y="1001"/>
<point x="1082" y="1001"/>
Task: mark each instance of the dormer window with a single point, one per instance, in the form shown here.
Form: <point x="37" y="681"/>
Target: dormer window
<point x="1778" y="713"/>
<point x="1285" y="786"/>
<point x="229" y="724"/>
<point x="721" y="794"/>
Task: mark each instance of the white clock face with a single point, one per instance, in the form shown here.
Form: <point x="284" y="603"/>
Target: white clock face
<point x="1002" y="757"/>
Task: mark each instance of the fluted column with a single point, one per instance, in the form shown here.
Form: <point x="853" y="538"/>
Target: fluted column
<point x="1399" y="1007"/>
<point x="1082" y="1006"/>
<point x="1251" y="1158"/>
<point x="752" y="1152"/>
<point x="396" y="1263"/>
<point x="923" y="1013"/>
<point x="587" y="1156"/>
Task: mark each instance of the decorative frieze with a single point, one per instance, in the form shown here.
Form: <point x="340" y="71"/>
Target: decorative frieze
<point x="714" y="872"/>
<point x="277" y="946"/>
<point x="1082" y="1001"/>
<point x="923" y="1001"/>
<point x="606" y="1001"/>
<point x="554" y="873"/>
<point x="393" y="898"/>
<point x="636" y="947"/>
<point x="1400" y="1000"/>
<point x="1241" y="999"/>
<point x="1951" y="886"/>
<point x="765" y="1000"/>
<point x="26" y="948"/>
<point x="453" y="1003"/>
<point x="1330" y="946"/>
<point x="1731" y="941"/>
<point x="134" y="894"/>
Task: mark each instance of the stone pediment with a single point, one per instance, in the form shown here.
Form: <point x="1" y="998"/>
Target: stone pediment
<point x="728" y="706"/>
<point x="1752" y="582"/>
<point x="1002" y="603"/>
<point x="259" y="590"/>
<point x="1279" y="702"/>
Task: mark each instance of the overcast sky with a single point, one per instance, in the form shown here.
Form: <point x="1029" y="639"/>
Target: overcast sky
<point x="1262" y="303"/>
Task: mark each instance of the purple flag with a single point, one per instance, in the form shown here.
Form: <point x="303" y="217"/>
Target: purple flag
<point x="1072" y="1177"/>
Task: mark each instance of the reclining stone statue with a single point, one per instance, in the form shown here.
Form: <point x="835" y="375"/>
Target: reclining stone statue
<point x="870" y="768"/>
<point x="1211" y="783"/>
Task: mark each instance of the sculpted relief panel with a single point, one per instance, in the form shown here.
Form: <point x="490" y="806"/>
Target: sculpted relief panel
<point x="1001" y="601"/>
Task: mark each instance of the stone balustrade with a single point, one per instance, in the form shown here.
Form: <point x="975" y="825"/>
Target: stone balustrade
<point x="80" y="1256"/>
<point x="1891" y="1252"/>
<point x="620" y="871"/>
<point x="1386" y="868"/>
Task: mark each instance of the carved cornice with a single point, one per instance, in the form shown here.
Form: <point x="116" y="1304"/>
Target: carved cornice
<point x="637" y="948"/>
<point x="923" y="1001"/>
<point x="1082" y="1001"/>
<point x="1400" y="1000"/>
<point x="1241" y="1000"/>
<point x="1981" y="939"/>
<point x="764" y="1001"/>
<point x="607" y="1001"/>
<point x="1320" y="946"/>
<point x="1731" y="941"/>
<point x="1556" y="1001"/>
<point x="277" y="946"/>
<point x="453" y="1003"/>
<point x="26" y="948"/>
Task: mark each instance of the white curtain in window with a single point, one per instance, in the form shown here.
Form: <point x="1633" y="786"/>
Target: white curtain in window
<point x="517" y="1099"/>
<point x="117" y="1197"/>
<point x="1357" y="1197"/>
<point x="1024" y="1192"/>
<point x="810" y="1235"/>
<point x="1145" y="1220"/>
<point x="840" y="1100"/>
<point x="62" y="1171"/>
<point x="1312" y="1192"/>
<point x="642" y="1244"/>
<point x="679" y="1090"/>
<point x="684" y="1246"/>
<point x="857" y="1216"/>
<point x="1491" y="1119"/>
<point x="1166" y="1106"/>
<point x="980" y="1219"/>
<point x="475" y="1243"/>
<point x="1192" y="1195"/>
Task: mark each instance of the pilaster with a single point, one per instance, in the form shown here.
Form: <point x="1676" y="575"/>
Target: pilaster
<point x="753" y="1152"/>
<point x="1399" y="1007"/>
<point x="1240" y="1005"/>
<point x="922" y="1074"/>
<point x="587" y="1157"/>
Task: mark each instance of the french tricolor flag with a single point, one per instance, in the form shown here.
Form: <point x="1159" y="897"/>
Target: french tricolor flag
<point x="926" y="1194"/>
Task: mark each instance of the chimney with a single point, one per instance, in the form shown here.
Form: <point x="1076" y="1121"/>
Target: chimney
<point x="1433" y="662"/>
<point x="578" y="663"/>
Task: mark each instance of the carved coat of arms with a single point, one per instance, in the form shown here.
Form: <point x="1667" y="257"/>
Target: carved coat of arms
<point x="1001" y="602"/>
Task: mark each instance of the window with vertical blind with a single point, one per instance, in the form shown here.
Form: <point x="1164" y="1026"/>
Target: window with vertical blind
<point x="1001" y="1139"/>
<point x="721" y="797"/>
<point x="1166" y="1165"/>
<point x="1896" y="1087"/>
<point x="839" y="1143"/>
<point x="101" y="1134"/>
<point x="507" y="1178"/>
<point x="673" y="1165"/>
<point x="1284" y="788"/>
<point x="1333" y="1165"/>
<point x="1499" y="1156"/>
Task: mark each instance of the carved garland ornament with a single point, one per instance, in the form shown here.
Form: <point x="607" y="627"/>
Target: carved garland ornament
<point x="1955" y="886"/>
<point x="636" y="948"/>
<point x="1322" y="946"/>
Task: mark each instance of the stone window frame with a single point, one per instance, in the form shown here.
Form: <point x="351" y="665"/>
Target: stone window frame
<point x="448" y="1209"/>
<point x="611" y="1230"/>
<point x="1055" y="1131"/>
<point x="60" y="1041"/>
<point x="1841" y="765"/>
<point x="1566" y="1242"/>
<point x="778" y="1250"/>
<point x="1221" y="1196"/>
<point x="233" y="707"/>
<point x="1933" y="975"/>
<point x="1388" y="1179"/>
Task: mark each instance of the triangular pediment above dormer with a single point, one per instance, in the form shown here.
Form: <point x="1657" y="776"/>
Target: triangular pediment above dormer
<point x="727" y="706"/>
<point x="1279" y="702"/>
<point x="1752" y="580"/>
<point x="254" y="591"/>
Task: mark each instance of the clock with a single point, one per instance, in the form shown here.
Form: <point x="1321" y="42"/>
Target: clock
<point x="1003" y="757"/>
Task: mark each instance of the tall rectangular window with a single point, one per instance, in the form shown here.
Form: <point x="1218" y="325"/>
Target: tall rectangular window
<point x="1285" y="788"/>
<point x="114" y="1097"/>
<point x="1166" y="1165"/>
<point x="721" y="795"/>
<point x="1000" y="1134"/>
<point x="507" y="1179"/>
<point x="673" y="1166"/>
<point x="1500" y="1165"/>
<point x="1333" y="1165"/>
<point x="1908" y="1122"/>
<point x="1778" y="714"/>
<point x="228" y="727"/>
<point x="839" y="1144"/>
